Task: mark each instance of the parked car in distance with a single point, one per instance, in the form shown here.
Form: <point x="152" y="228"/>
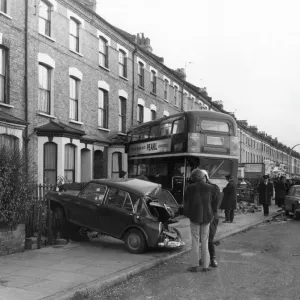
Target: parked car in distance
<point x="292" y="200"/>
<point x="136" y="211"/>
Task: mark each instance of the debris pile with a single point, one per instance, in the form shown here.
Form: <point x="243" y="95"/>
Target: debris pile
<point x="247" y="207"/>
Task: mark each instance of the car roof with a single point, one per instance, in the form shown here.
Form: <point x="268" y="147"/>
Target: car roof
<point x="130" y="185"/>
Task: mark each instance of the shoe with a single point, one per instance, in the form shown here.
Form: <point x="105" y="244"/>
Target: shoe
<point x="225" y="221"/>
<point x="206" y="269"/>
<point x="266" y="215"/>
<point x="213" y="263"/>
<point x="193" y="269"/>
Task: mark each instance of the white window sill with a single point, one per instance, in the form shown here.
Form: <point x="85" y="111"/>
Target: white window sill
<point x="47" y="37"/>
<point x="121" y="133"/>
<point x="78" y="53"/>
<point x="167" y="100"/>
<point x="46" y="115"/>
<point x="102" y="67"/>
<point x="103" y="129"/>
<point x="5" y="15"/>
<point x="6" y="105"/>
<point x="123" y="77"/>
<point x="76" y="122"/>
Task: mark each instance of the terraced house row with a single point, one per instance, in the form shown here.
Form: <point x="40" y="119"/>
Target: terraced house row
<point x="71" y="85"/>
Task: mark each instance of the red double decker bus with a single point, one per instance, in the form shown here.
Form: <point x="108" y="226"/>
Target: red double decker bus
<point x="168" y="149"/>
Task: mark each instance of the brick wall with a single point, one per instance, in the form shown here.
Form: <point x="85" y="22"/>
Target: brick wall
<point x="12" y="240"/>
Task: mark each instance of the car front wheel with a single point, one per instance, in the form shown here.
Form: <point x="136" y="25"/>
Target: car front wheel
<point x="135" y="241"/>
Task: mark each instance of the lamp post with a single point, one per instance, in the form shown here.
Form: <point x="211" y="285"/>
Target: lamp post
<point x="290" y="154"/>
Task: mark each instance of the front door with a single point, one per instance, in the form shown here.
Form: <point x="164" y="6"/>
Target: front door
<point x="116" y="213"/>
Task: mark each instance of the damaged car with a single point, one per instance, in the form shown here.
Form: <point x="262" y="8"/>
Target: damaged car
<point x="138" y="212"/>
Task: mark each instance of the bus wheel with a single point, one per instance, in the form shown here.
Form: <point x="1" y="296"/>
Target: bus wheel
<point x="135" y="241"/>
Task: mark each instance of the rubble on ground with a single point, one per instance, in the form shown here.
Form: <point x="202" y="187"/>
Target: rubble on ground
<point x="247" y="207"/>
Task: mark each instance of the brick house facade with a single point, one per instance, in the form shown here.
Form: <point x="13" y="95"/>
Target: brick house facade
<point x="87" y="83"/>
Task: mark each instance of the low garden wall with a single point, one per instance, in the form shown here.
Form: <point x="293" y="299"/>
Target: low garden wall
<point x="12" y="240"/>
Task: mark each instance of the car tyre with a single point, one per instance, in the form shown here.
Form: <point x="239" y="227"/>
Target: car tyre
<point x="135" y="241"/>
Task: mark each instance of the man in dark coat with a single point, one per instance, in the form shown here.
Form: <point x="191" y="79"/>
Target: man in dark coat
<point x="280" y="191"/>
<point x="229" y="199"/>
<point x="265" y="193"/>
<point x="199" y="209"/>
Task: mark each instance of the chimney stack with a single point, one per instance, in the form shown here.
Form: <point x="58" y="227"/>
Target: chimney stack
<point x="144" y="42"/>
<point x="181" y="73"/>
<point x="90" y="4"/>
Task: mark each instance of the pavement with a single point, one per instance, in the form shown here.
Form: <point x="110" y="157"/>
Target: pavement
<point x="78" y="270"/>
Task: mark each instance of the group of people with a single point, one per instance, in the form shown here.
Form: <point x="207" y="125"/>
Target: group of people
<point x="266" y="189"/>
<point x="202" y="201"/>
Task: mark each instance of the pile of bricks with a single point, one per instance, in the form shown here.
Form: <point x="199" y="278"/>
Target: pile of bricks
<point x="12" y="240"/>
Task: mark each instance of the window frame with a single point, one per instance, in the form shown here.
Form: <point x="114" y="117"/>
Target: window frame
<point x="47" y="21"/>
<point x="49" y="79"/>
<point x="122" y="114"/>
<point x="141" y="74"/>
<point x="76" y="101"/>
<point x="166" y="87"/>
<point x="4" y="3"/>
<point x="104" y="110"/>
<point x="44" y="158"/>
<point x="120" y="163"/>
<point x="175" y="95"/>
<point x="74" y="162"/>
<point x="76" y="38"/>
<point x="5" y="54"/>
<point x="153" y="112"/>
<point x="122" y="63"/>
<point x="104" y="54"/>
<point x="140" y="114"/>
<point x="153" y="81"/>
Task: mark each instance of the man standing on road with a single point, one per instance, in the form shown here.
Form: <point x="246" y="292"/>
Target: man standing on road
<point x="280" y="191"/>
<point x="198" y="208"/>
<point x="229" y="199"/>
<point x="265" y="193"/>
<point x="216" y="200"/>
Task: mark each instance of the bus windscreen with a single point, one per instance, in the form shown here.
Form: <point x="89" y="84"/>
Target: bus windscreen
<point x="211" y="125"/>
<point x="216" y="168"/>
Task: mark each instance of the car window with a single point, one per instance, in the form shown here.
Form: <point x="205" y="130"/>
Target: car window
<point x="128" y="204"/>
<point x="297" y="192"/>
<point x="115" y="197"/>
<point x="165" y="197"/>
<point x="93" y="191"/>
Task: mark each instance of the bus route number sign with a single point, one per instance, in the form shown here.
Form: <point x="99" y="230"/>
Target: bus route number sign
<point x="150" y="147"/>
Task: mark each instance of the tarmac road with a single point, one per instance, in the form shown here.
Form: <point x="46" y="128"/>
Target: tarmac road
<point x="263" y="263"/>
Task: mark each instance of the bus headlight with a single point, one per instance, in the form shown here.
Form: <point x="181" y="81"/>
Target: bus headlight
<point x="234" y="146"/>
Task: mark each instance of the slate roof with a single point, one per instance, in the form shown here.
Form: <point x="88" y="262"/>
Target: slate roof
<point x="58" y="128"/>
<point x="5" y="117"/>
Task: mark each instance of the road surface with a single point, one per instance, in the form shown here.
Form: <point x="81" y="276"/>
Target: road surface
<point x="263" y="263"/>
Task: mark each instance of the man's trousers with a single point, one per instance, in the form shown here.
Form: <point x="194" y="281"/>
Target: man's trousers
<point x="197" y="232"/>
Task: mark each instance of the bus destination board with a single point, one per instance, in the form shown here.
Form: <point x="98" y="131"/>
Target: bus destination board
<point x="150" y="147"/>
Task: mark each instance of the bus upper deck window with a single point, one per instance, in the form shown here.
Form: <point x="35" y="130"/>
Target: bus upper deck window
<point x="211" y="125"/>
<point x="178" y="126"/>
<point x="165" y="129"/>
<point x="154" y="131"/>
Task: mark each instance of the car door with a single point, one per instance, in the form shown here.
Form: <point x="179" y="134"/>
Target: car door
<point x="116" y="212"/>
<point x="87" y="205"/>
<point x="289" y="199"/>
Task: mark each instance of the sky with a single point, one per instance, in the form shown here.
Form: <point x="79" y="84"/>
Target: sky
<point x="246" y="53"/>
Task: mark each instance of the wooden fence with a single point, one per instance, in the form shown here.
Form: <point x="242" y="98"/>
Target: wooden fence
<point x="38" y="219"/>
